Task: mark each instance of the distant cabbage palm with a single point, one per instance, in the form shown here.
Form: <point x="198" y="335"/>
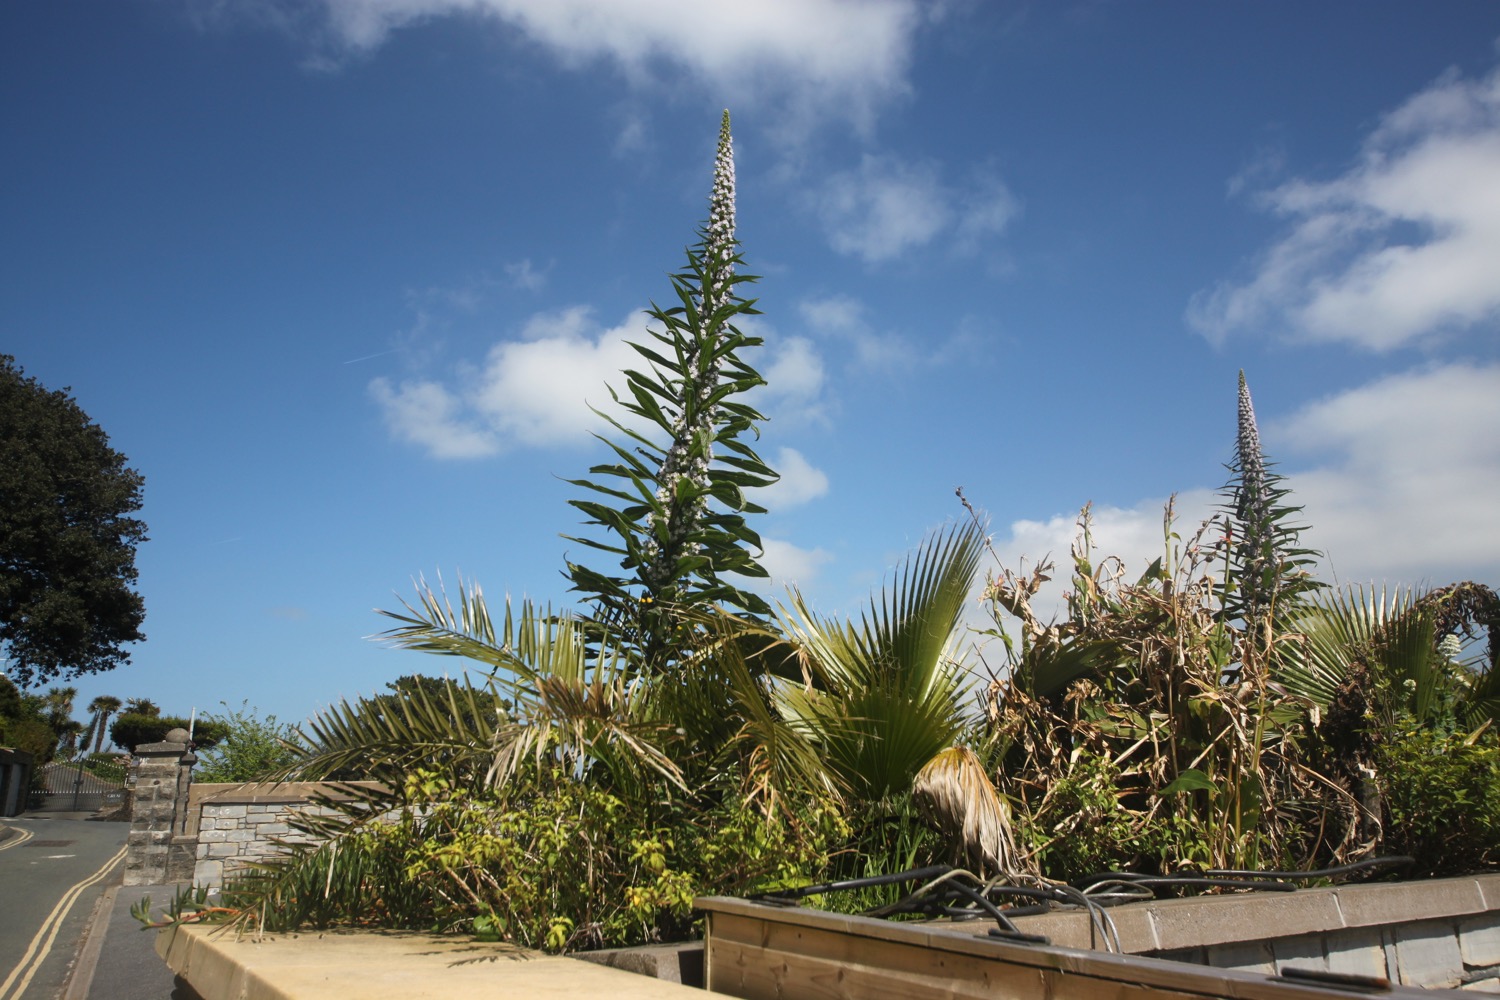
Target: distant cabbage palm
<point x="101" y="708"/>
<point x="141" y="706"/>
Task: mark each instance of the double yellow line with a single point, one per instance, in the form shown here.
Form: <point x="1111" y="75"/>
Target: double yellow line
<point x="41" y="945"/>
<point x="21" y="836"/>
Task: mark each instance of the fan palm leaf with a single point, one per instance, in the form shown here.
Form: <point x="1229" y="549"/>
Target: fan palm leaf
<point x="886" y="691"/>
<point x="1392" y="634"/>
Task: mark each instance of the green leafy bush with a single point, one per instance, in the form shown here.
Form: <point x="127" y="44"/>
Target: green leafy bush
<point x="1442" y="799"/>
<point x="252" y="749"/>
<point x="549" y="862"/>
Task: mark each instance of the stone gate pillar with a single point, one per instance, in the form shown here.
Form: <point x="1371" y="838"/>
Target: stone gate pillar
<point x="156" y="848"/>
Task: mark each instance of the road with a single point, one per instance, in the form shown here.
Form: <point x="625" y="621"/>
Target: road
<point x="52" y="872"/>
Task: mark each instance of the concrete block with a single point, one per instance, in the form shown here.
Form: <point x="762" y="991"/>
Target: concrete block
<point x="212" y="836"/>
<point x="273" y="830"/>
<point x="1482" y="986"/>
<point x="223" y="850"/>
<point x="208" y="874"/>
<point x="239" y="836"/>
<point x="1185" y="923"/>
<point x="1403" y="902"/>
<point x="675" y="963"/>
<point x="1358" y="952"/>
<point x="1428" y="955"/>
<point x="1302" y="952"/>
<point x="1479" y="940"/>
<point x="1250" y="956"/>
<point x="1489" y="888"/>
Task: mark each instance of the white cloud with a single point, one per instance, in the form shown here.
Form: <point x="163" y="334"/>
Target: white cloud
<point x="838" y="56"/>
<point x="533" y="392"/>
<point x="889" y="206"/>
<point x="1400" y="488"/>
<point x="1403" y="246"/>
<point x="1132" y="534"/>
<point x="1409" y="493"/>
<point x="426" y="414"/>
<point x="790" y="565"/>
<point x="537" y="391"/>
<point x="793" y="393"/>
<point x="795" y="371"/>
<point x="800" y="481"/>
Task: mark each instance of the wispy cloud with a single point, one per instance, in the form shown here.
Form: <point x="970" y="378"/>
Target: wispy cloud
<point x="888" y="206"/>
<point x="844" y="318"/>
<point x="523" y="274"/>
<point x="1403" y="246"/>
<point x="813" y="57"/>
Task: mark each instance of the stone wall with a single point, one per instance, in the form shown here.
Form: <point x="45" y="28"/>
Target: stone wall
<point x="156" y="850"/>
<point x="234" y="825"/>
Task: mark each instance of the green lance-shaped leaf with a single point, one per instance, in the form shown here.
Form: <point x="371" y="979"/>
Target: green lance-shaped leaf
<point x="678" y="520"/>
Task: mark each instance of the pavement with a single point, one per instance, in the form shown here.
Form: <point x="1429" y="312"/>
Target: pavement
<point x="117" y="958"/>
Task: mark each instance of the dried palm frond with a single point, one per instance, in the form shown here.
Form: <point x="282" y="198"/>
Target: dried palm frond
<point x="958" y="796"/>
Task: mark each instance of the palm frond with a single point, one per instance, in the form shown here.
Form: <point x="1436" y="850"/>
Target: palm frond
<point x="886" y="693"/>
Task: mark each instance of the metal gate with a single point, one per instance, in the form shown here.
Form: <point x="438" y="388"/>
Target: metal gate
<point x="78" y="786"/>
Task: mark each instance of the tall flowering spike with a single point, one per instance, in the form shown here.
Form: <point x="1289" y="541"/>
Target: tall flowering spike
<point x="1252" y="464"/>
<point x="682" y="536"/>
<point x="719" y="242"/>
<point x="1268" y="569"/>
<point x="678" y="512"/>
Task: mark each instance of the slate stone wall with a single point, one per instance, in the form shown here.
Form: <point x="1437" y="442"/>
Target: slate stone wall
<point x="235" y="825"/>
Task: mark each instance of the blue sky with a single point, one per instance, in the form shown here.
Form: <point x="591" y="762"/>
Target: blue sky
<point x="340" y="277"/>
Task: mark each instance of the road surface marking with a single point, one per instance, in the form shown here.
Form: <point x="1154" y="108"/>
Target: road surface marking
<point x="20" y="838"/>
<point x="37" y="950"/>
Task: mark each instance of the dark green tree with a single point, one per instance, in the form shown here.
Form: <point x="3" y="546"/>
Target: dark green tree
<point x="67" y="540"/>
<point x="674" y="502"/>
<point x="130" y="730"/>
<point x="24" y="724"/>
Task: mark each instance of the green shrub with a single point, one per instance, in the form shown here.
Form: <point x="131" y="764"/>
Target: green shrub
<point x="1442" y="800"/>
<point x="251" y="749"/>
<point x="548" y="862"/>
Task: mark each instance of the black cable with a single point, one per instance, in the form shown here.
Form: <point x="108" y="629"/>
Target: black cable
<point x="1393" y="861"/>
<point x="914" y="875"/>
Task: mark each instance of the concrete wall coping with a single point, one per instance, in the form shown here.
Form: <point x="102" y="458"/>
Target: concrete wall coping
<point x="388" y="965"/>
<point x="271" y="792"/>
<point x="1204" y="921"/>
<point x="160" y="749"/>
